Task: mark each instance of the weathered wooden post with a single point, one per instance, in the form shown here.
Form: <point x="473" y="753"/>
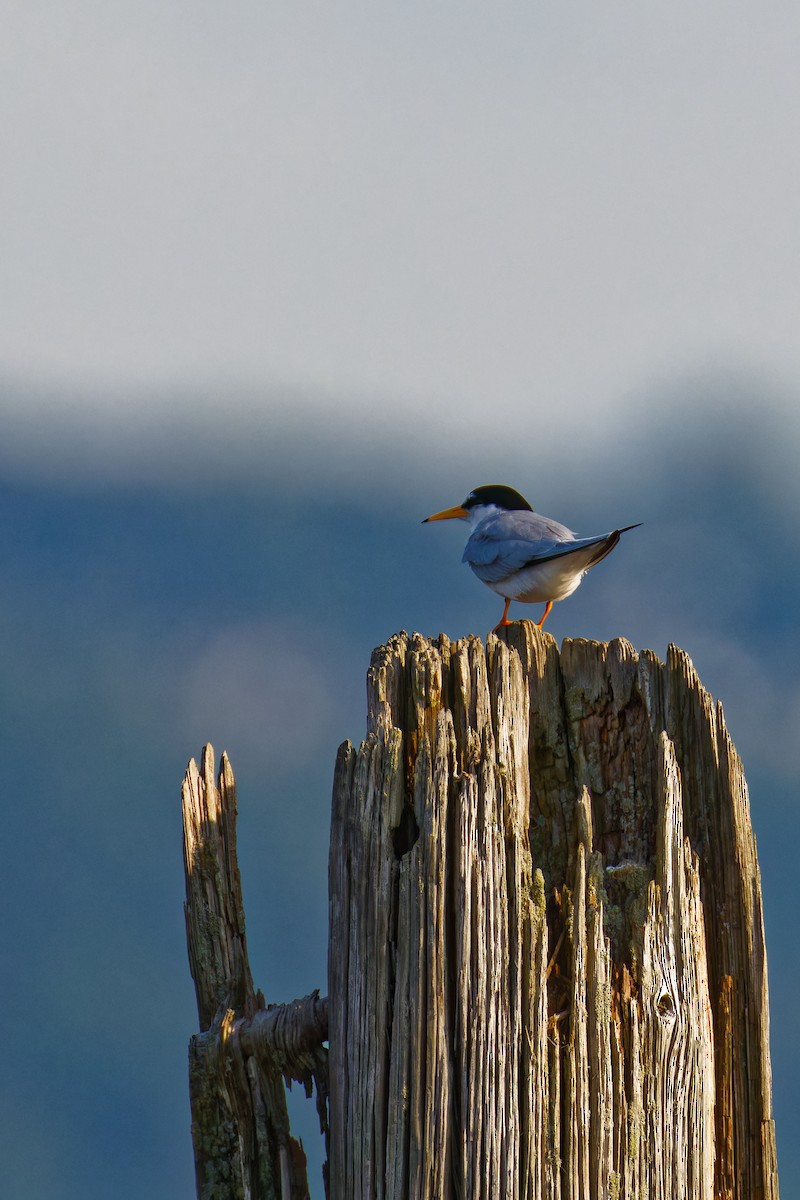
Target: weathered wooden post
<point x="547" y="974"/>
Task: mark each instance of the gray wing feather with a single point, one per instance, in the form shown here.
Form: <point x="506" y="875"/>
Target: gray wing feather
<point x="511" y="541"/>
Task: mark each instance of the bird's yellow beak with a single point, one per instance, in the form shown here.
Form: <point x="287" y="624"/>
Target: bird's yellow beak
<point x="447" y="514"/>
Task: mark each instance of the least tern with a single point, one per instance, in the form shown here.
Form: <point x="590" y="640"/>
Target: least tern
<point x="520" y="554"/>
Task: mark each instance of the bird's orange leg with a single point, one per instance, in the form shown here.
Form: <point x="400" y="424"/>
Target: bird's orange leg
<point x="544" y="614"/>
<point x="504" y="619"/>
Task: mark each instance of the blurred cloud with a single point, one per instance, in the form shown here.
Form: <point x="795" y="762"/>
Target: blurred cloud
<point x="269" y="690"/>
<point x="734" y="421"/>
<point x="767" y="717"/>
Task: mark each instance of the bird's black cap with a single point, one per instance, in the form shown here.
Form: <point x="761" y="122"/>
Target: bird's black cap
<point x="499" y="494"/>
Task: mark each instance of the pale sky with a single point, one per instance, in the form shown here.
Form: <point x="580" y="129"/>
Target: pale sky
<point x="386" y="211"/>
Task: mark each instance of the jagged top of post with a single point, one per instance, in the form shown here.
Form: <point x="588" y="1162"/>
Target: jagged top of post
<point x="410" y="673"/>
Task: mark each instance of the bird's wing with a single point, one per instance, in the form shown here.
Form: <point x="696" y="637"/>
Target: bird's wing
<point x="511" y="541"/>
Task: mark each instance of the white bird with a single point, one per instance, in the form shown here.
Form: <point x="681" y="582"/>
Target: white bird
<point x="520" y="554"/>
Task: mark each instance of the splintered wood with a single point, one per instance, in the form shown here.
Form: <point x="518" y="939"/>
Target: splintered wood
<point x="547" y="973"/>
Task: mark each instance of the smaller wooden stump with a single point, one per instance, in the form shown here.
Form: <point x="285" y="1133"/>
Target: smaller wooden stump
<point x="239" y="1062"/>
